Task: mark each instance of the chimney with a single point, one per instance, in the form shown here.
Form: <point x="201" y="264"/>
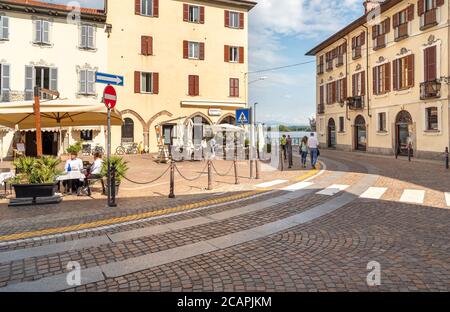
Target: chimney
<point x="369" y="5"/>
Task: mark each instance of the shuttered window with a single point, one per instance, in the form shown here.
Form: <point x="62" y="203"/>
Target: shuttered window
<point x="41" y="32"/>
<point x="403" y="70"/>
<point x="234" y="19"/>
<point x="146" y="45"/>
<point x="359" y="84"/>
<point x="432" y="118"/>
<point x="146" y="82"/>
<point x="382" y="79"/>
<point x="193" y="50"/>
<point x="321" y="95"/>
<point x="430" y="69"/>
<point x="86" y="82"/>
<point x="147" y="7"/>
<point x="234" y="87"/>
<point x="87" y="37"/>
<point x="4" y="28"/>
<point x="193" y="13"/>
<point x="357" y="43"/>
<point x="43" y="77"/>
<point x="193" y="85"/>
<point x="234" y="54"/>
<point x="5" y="78"/>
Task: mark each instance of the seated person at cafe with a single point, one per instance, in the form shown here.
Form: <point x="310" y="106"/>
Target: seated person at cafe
<point x="96" y="167"/>
<point x="73" y="164"/>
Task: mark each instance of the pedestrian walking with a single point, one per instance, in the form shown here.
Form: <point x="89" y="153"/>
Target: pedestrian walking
<point x="289" y="151"/>
<point x="304" y="150"/>
<point x="313" y="146"/>
<point x="283" y="146"/>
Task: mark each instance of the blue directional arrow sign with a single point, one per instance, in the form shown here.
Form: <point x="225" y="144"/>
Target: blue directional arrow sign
<point x="109" y="79"/>
<point x="243" y="116"/>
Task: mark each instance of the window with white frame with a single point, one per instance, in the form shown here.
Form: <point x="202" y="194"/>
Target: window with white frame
<point x="147" y="7"/>
<point x="40" y="76"/>
<point x="234" y="54"/>
<point x="87" y="37"/>
<point x="432" y="120"/>
<point x="194" y="14"/>
<point x="87" y="82"/>
<point x="41" y="32"/>
<point x="234" y="20"/>
<point x="4" y="27"/>
<point x="146" y="83"/>
<point x="382" y="122"/>
<point x="194" y="50"/>
<point x="5" y="83"/>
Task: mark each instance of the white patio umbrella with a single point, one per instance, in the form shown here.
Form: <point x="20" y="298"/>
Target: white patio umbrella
<point x="57" y="113"/>
<point x="261" y="138"/>
<point x="227" y="128"/>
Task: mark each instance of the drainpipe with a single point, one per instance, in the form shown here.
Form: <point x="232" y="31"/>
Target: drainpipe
<point x="346" y="76"/>
<point x="367" y="71"/>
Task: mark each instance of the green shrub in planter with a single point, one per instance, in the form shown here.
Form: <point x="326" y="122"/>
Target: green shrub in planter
<point x="75" y="148"/>
<point x="120" y="164"/>
<point x="31" y="170"/>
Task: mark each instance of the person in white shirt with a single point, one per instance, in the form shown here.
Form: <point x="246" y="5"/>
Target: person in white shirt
<point x="73" y="164"/>
<point x="313" y="146"/>
<point x="96" y="167"/>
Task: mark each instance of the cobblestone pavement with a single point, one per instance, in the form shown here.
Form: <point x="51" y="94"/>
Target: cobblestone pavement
<point x="318" y="233"/>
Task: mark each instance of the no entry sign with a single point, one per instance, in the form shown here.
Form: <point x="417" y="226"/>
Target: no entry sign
<point x="110" y="97"/>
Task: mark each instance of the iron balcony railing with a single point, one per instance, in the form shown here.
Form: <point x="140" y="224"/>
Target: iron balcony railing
<point x="430" y="90"/>
<point x="355" y="103"/>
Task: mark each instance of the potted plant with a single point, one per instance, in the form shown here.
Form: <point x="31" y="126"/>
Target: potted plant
<point x="121" y="166"/>
<point x="36" y="177"/>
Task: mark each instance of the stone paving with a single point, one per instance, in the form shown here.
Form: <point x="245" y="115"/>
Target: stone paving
<point x="329" y="253"/>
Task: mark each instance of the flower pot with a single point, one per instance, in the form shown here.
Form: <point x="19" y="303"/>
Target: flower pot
<point x="107" y="187"/>
<point x="35" y="190"/>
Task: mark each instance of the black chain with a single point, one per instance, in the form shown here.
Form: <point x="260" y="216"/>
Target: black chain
<point x="222" y="175"/>
<point x="149" y="182"/>
<point x="188" y="179"/>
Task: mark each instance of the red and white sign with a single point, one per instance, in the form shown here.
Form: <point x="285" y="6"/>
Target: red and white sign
<point x="110" y="97"/>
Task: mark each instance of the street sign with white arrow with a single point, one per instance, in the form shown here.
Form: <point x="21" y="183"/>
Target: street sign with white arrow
<point x="109" y="79"/>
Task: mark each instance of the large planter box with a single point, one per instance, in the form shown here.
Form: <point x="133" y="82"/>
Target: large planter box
<point x="35" y="190"/>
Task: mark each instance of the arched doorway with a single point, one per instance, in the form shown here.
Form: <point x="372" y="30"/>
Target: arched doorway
<point x="360" y="134"/>
<point x="128" y="131"/>
<point x="403" y="125"/>
<point x="331" y="133"/>
<point x="231" y="120"/>
<point x="199" y="131"/>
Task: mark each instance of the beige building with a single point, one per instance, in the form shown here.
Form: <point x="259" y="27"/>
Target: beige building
<point x="382" y="81"/>
<point x="180" y="59"/>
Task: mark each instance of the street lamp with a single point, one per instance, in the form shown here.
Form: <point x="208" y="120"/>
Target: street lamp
<point x="259" y="79"/>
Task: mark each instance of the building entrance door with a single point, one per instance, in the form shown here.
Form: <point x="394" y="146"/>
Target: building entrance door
<point x="403" y="134"/>
<point x="331" y="133"/>
<point x="360" y="134"/>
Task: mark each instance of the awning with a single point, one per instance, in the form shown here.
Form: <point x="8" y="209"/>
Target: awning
<point x="87" y="128"/>
<point x="57" y="113"/>
<point x="55" y="129"/>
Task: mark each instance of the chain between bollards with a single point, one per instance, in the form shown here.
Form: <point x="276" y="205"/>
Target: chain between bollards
<point x="172" y="179"/>
<point x="112" y="187"/>
<point x="209" y="175"/>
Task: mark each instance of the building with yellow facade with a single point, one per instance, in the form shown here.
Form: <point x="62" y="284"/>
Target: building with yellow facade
<point x="382" y="81"/>
<point x="180" y="59"/>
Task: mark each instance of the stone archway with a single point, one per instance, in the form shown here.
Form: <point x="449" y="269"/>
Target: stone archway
<point x="138" y="117"/>
<point x="149" y="124"/>
<point x="227" y="118"/>
<point x="199" y="114"/>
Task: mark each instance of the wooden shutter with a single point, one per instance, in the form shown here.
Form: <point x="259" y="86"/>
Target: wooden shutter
<point x="353" y="43"/>
<point x="363" y="38"/>
<point x="150" y="45"/>
<point x="137" y="7"/>
<point x="420" y="7"/>
<point x="241" y="55"/>
<point x="395" y="73"/>
<point x="410" y="12"/>
<point x="387" y="25"/>
<point x="354" y="85"/>
<point x="5" y="82"/>
<point x="155" y="83"/>
<point x="226" y="53"/>
<point x="155" y="8"/>
<point x="202" y="51"/>
<point x="321" y="95"/>
<point x="333" y="92"/>
<point x="374" y="80"/>
<point x="374" y="32"/>
<point x="396" y="20"/>
<point x="185" y="49"/>
<point x="185" y="12"/>
<point x="439" y="3"/>
<point x="137" y="82"/>
<point x="146" y="45"/>
<point x="410" y="62"/>
<point x="344" y="93"/>
<point x="387" y="77"/>
<point x="363" y="83"/>
<point x="197" y="85"/>
<point x="231" y="90"/>
<point x="241" y="20"/>
<point x="430" y="63"/>
<point x="202" y="15"/>
<point x="227" y="18"/>
<point x="191" y="87"/>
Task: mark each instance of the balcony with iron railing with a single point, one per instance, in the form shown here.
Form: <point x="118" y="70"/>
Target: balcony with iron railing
<point x="356" y="53"/>
<point x="401" y="32"/>
<point x="428" y="19"/>
<point x="321" y="109"/>
<point x="430" y="90"/>
<point x="355" y="103"/>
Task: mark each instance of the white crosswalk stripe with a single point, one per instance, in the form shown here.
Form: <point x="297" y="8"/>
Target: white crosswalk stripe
<point x="271" y="183"/>
<point x="413" y="196"/>
<point x="447" y="198"/>
<point x="297" y="186"/>
<point x="374" y="192"/>
<point x="333" y="189"/>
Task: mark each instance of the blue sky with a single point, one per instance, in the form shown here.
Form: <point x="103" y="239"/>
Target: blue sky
<point x="280" y="33"/>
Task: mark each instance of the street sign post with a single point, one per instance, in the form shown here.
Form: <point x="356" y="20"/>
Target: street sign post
<point x="243" y="116"/>
<point x="109" y="79"/>
<point x="110" y="100"/>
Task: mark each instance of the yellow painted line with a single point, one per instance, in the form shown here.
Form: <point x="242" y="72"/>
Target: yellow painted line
<point x="141" y="216"/>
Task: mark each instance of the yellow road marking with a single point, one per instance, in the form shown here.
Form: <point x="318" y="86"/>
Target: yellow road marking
<point x="141" y="216"/>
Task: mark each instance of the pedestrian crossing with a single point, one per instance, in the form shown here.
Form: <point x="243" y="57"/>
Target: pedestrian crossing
<point x="408" y="196"/>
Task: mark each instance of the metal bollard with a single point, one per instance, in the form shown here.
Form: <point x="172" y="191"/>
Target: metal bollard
<point x="172" y="179"/>
<point x="409" y="152"/>
<point x="209" y="176"/>
<point x="257" y="169"/>
<point x="112" y="187"/>
<point x="236" y="176"/>
<point x="446" y="158"/>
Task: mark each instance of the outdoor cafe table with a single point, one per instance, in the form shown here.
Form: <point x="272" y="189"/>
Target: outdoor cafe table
<point x="70" y="176"/>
